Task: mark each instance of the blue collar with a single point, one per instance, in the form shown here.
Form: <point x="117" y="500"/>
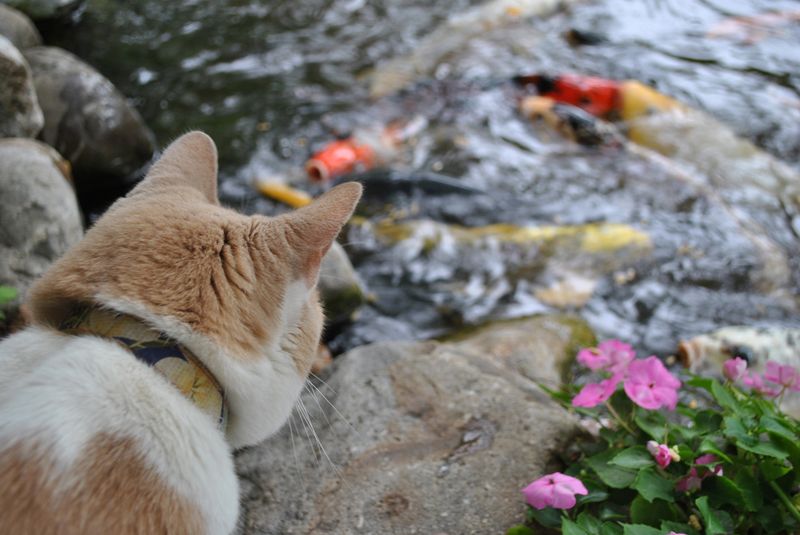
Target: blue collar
<point x="173" y="361"/>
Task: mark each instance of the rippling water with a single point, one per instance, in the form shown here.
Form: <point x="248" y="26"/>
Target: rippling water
<point x="271" y="81"/>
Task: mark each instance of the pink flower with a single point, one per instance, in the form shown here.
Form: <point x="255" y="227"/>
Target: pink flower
<point x="673" y="533"/>
<point x="611" y="355"/>
<point x="693" y="481"/>
<point x="593" y="394"/>
<point x="756" y="382"/>
<point x="554" y="490"/>
<point x="660" y="452"/>
<point x="650" y="385"/>
<point x="786" y="376"/>
<point x="734" y="369"/>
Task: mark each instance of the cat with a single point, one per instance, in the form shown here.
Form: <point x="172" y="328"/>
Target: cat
<point x="176" y="332"/>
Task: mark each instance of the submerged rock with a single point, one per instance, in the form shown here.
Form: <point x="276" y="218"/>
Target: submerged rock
<point x="20" y="114"/>
<point x="18" y="28"/>
<point x="87" y="119"/>
<point x="443" y="436"/>
<point x="339" y="286"/>
<point x="39" y="217"/>
<point x="45" y="9"/>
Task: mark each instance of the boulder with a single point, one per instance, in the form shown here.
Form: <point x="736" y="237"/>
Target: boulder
<point x="339" y="286"/>
<point x="39" y="217"/>
<point x="45" y="9"/>
<point x="18" y="28"/>
<point x="20" y="115"/>
<point x="87" y="120"/>
<point x="438" y="437"/>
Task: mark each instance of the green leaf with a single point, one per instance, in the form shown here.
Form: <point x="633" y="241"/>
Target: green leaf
<point x="773" y="469"/>
<point x="7" y="293"/>
<point x="701" y="382"/>
<point x="614" y="476"/>
<point x="595" y="495"/>
<point x="589" y="523"/>
<point x="639" y="529"/>
<point x="791" y="447"/>
<point x="651" y="513"/>
<point x="686" y="454"/>
<point x="763" y="448"/>
<point x="723" y="491"/>
<point x="735" y="429"/>
<point x="568" y="527"/>
<point x="776" y="427"/>
<point x="707" y="446"/>
<point x="707" y="421"/>
<point x="751" y="492"/>
<point x="635" y="457"/>
<point x="652" y="485"/>
<point x="547" y="517"/>
<point x="610" y="528"/>
<point x="711" y="517"/>
<point x="519" y="529"/>
<point x="677" y="527"/>
<point x="651" y="422"/>
<point x="724" y="397"/>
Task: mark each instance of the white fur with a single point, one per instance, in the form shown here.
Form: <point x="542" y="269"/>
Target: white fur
<point x="260" y="393"/>
<point x="62" y="391"/>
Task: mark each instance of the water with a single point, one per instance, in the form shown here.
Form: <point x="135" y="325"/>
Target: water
<point x="272" y="81"/>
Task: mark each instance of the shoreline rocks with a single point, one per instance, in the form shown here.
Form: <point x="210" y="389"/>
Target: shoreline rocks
<point x="18" y="28"/>
<point x="39" y="215"/>
<point x="20" y="114"/>
<point x="45" y="9"/>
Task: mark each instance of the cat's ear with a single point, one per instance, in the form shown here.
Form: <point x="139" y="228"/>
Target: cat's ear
<point x="189" y="161"/>
<point x="318" y="224"/>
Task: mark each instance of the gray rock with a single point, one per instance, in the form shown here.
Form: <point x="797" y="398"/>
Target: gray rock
<point x="45" y="9"/>
<point x="339" y="286"/>
<point x="39" y="217"/>
<point x="18" y="28"/>
<point x="20" y="114"/>
<point x="442" y="437"/>
<point x="86" y="119"/>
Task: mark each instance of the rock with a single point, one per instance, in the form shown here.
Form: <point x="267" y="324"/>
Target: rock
<point x="39" y="217"/>
<point x="45" y="9"/>
<point x="87" y="120"/>
<point x="339" y="286"/>
<point x="443" y="436"/>
<point x="18" y="28"/>
<point x="20" y="115"/>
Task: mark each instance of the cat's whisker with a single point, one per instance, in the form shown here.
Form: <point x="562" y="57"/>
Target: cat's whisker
<point x="308" y="435"/>
<point x="324" y="397"/>
<point x="304" y="411"/>
<point x="294" y="449"/>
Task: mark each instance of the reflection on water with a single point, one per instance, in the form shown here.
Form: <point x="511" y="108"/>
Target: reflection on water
<point x="272" y="81"/>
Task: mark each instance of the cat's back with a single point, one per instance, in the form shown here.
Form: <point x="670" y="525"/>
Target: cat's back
<point x="93" y="441"/>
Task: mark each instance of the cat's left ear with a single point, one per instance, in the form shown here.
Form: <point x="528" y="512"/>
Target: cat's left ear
<point x="189" y="162"/>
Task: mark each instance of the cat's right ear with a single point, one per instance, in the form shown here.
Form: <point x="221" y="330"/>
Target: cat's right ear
<point x="189" y="162"/>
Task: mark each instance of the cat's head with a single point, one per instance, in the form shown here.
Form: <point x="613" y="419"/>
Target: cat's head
<point x="240" y="291"/>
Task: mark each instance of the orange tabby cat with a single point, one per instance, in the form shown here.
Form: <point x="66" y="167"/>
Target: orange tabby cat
<point x="176" y="331"/>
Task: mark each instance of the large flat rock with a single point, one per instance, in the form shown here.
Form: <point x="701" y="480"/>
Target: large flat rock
<point x="441" y="436"/>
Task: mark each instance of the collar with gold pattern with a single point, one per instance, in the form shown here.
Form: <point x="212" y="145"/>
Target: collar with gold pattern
<point x="172" y="360"/>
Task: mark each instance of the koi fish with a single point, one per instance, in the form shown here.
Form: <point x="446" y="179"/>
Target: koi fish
<point x="397" y="73"/>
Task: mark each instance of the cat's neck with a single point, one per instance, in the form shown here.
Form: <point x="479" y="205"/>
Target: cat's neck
<point x="157" y="350"/>
<point x="257" y="390"/>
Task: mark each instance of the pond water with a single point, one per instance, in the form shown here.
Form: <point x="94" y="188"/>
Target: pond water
<point x="273" y="81"/>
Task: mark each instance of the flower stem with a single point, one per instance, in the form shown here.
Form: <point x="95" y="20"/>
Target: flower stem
<point x="785" y="499"/>
<point x="619" y="419"/>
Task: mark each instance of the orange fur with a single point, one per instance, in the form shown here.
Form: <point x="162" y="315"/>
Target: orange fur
<point x="110" y="486"/>
<point x="172" y="248"/>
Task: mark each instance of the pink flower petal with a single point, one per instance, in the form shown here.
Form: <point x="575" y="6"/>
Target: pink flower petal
<point x="650" y="385"/>
<point x="734" y="369"/>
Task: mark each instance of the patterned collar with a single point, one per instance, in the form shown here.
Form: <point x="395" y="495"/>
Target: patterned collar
<point x="172" y="360"/>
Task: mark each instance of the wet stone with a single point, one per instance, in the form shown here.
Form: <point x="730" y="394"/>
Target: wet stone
<point x="39" y="217"/>
<point x="18" y="28"/>
<point x="45" y="9"/>
<point x="20" y="114"/>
